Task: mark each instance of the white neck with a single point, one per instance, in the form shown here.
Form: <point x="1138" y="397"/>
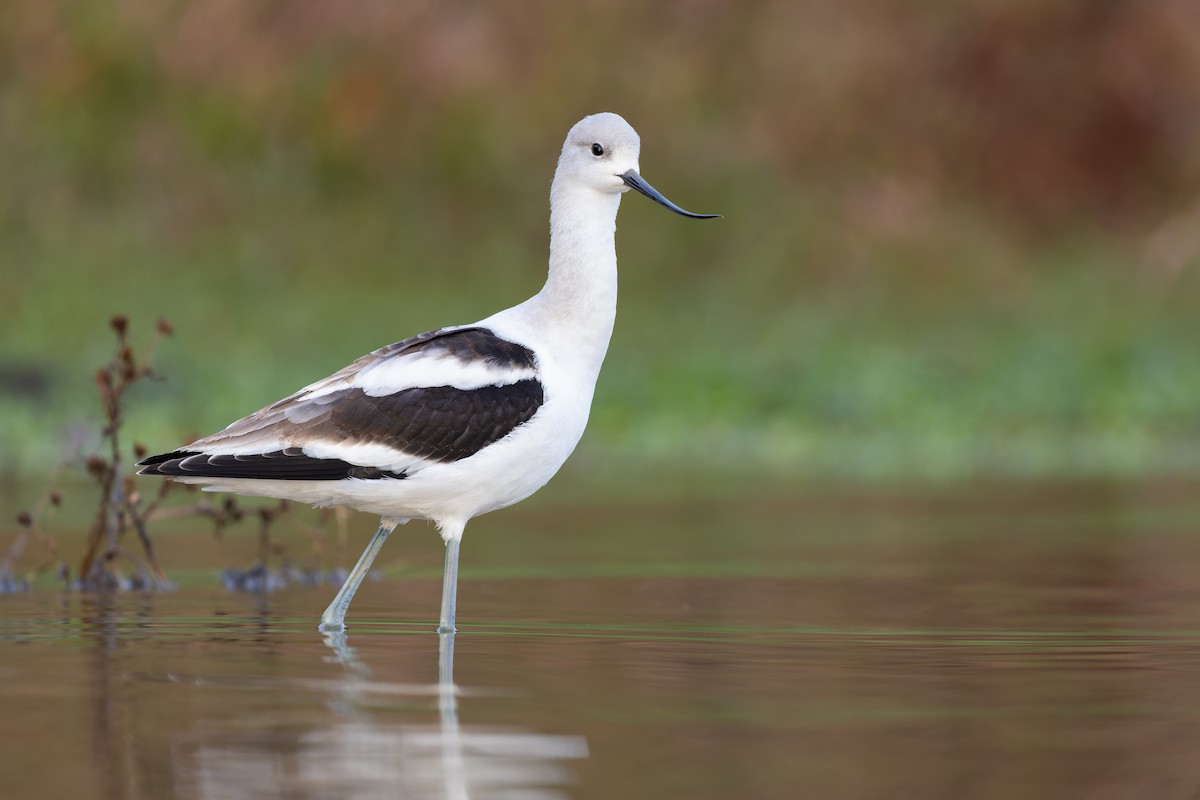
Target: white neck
<point x="579" y="299"/>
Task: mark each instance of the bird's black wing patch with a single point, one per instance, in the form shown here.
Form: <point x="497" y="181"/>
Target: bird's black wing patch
<point x="438" y="423"/>
<point x="290" y="464"/>
<point x="480" y="344"/>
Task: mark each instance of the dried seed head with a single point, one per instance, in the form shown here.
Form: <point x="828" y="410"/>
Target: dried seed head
<point x="119" y="323"/>
<point x="56" y="498"/>
<point x="97" y="466"/>
<point x="139" y="450"/>
<point x="165" y="327"/>
<point x="25" y="519"/>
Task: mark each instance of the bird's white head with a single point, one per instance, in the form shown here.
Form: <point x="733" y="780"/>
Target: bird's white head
<point x="598" y="150"/>
<point x="601" y="152"/>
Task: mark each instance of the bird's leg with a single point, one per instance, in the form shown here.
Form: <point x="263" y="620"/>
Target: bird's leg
<point x="334" y="617"/>
<point x="453" y="537"/>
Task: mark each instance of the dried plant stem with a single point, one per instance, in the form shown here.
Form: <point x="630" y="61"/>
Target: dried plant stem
<point x="119" y="507"/>
<point x="106" y="564"/>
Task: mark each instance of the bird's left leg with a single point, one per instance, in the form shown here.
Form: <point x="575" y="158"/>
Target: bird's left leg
<point x="334" y="618"/>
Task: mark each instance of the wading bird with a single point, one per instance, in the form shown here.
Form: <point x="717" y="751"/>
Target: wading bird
<point x="458" y="421"/>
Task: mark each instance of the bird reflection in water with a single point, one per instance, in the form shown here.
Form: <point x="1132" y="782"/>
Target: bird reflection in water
<point x="356" y="755"/>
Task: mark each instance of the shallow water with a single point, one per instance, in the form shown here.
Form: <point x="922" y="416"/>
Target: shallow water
<point x="1037" y="641"/>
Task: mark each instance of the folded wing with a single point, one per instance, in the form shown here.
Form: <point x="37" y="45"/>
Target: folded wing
<point x="438" y="397"/>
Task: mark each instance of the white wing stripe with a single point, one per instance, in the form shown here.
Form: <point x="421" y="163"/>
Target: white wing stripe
<point x="425" y="368"/>
<point x="367" y="455"/>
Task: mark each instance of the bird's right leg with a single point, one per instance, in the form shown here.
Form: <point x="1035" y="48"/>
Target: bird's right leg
<point x="452" y="532"/>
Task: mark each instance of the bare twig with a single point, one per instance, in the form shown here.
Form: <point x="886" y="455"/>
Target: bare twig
<point x="119" y="506"/>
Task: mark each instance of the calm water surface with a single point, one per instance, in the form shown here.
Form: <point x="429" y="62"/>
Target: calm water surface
<point x="986" y="643"/>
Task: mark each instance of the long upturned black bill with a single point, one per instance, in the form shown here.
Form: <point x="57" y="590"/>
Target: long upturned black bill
<point x="638" y="184"/>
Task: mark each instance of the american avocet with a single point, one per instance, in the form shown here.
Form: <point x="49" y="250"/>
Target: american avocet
<point x="459" y="421"/>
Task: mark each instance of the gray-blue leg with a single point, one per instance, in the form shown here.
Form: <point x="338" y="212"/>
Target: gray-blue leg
<point x="334" y="618"/>
<point x="450" y="580"/>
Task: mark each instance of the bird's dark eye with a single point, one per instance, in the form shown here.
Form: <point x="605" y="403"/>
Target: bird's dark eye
<point x="597" y="149"/>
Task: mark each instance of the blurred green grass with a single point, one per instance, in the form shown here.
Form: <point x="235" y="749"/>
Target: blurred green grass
<point x="1083" y="369"/>
<point x="896" y="290"/>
